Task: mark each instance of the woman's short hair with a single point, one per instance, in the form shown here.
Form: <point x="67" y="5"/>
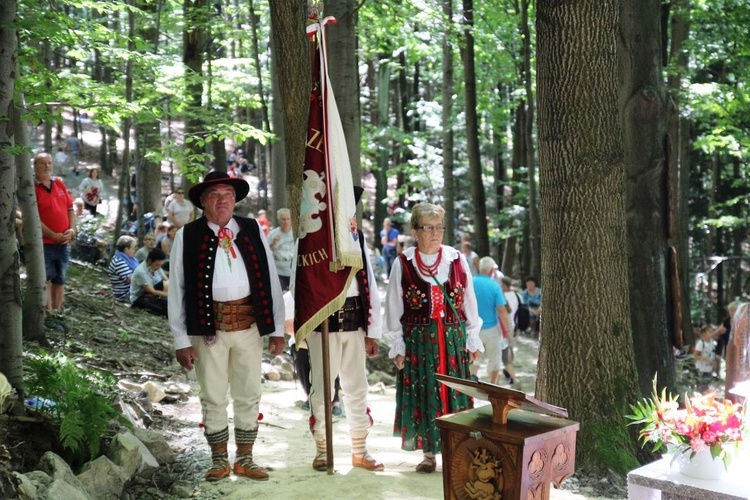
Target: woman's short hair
<point x="425" y="211"/>
<point x="125" y="242"/>
<point x="156" y="254"/>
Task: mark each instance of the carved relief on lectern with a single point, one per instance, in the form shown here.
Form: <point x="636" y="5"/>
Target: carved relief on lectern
<point x="537" y="463"/>
<point x="561" y="466"/>
<point x="481" y="470"/>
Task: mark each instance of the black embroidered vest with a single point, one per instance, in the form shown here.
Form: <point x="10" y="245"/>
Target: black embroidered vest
<point x="416" y="294"/>
<point x="198" y="257"/>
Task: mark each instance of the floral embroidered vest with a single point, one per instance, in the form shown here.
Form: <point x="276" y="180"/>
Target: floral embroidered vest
<point x="417" y="304"/>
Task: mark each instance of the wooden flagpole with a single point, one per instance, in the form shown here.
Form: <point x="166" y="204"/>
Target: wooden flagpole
<point x="327" y="395"/>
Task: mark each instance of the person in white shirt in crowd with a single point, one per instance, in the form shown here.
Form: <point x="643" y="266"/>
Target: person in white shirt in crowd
<point x="149" y="243"/>
<point x="281" y="241"/>
<point x="180" y="211"/>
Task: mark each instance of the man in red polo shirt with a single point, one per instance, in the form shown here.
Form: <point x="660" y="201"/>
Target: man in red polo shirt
<point x="58" y="228"/>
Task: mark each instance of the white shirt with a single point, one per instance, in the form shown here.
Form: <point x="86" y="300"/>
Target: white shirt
<point x="181" y="212"/>
<point x="394" y="302"/>
<point x="229" y="283"/>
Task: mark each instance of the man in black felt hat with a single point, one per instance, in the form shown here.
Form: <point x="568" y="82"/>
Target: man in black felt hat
<point x="224" y="296"/>
<point x="354" y="333"/>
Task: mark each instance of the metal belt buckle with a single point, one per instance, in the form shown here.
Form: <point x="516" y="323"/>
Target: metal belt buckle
<point x="341" y="319"/>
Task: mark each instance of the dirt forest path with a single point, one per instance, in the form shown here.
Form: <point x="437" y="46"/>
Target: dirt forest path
<point x="284" y="443"/>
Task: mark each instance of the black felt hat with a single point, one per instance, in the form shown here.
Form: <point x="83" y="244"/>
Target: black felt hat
<point x="241" y="187"/>
<point x="358" y="190"/>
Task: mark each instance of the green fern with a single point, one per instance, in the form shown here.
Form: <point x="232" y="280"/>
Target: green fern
<point x="84" y="400"/>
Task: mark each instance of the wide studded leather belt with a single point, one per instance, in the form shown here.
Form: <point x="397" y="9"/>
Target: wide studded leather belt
<point x="349" y="318"/>
<point x="233" y="315"/>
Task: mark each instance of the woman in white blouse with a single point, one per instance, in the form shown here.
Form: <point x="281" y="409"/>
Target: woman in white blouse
<point x="431" y="317"/>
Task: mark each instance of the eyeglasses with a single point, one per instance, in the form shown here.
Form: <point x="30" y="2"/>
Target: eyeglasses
<point x="180" y="192"/>
<point x="432" y="229"/>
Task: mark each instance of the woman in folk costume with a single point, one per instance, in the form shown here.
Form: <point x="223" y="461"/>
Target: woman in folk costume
<point x="431" y="316"/>
<point x="738" y="350"/>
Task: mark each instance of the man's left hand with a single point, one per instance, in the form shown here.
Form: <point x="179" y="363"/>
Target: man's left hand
<point x="474" y="355"/>
<point x="275" y="345"/>
<point x="371" y="347"/>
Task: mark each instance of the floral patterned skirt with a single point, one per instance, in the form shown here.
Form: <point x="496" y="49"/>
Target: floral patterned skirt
<point x="418" y="392"/>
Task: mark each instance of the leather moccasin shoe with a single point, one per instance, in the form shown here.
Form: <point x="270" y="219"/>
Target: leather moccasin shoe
<point x="217" y="472"/>
<point x="367" y="462"/>
<point x="245" y="467"/>
<point x="320" y="463"/>
<point x="427" y="465"/>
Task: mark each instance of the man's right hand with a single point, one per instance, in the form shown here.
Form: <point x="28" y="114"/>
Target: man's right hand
<point x="186" y="356"/>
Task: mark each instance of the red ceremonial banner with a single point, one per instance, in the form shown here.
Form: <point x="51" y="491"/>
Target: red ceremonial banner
<point x="327" y="256"/>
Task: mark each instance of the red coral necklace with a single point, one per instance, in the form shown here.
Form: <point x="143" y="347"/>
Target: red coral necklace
<point x="430" y="270"/>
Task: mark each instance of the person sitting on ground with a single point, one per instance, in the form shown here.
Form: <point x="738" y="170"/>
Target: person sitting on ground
<point x="148" y="286"/>
<point x="122" y="266"/>
<point x="149" y="243"/>
<point x="532" y="297"/>
<point x="233" y="170"/>
<point x="281" y="242"/>
<point x="166" y="241"/>
<point x="161" y="231"/>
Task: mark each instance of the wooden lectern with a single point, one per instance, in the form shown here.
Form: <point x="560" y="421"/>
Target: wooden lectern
<point x="492" y="452"/>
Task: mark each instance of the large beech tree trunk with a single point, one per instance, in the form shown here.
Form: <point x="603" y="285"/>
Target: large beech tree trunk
<point x="586" y="355"/>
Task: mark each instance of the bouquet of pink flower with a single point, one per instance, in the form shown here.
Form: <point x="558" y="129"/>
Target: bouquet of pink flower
<point x="704" y="422"/>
